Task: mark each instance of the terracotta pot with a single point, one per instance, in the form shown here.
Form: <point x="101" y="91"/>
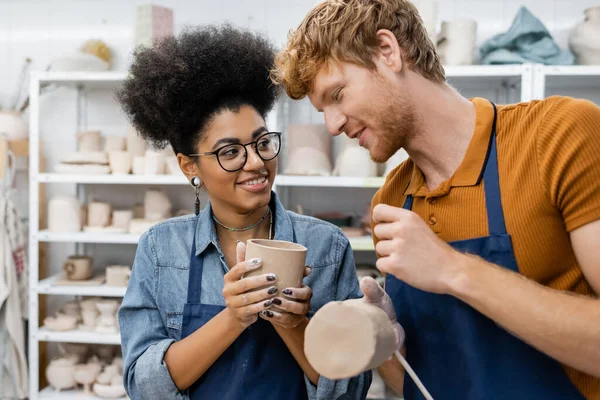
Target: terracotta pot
<point x="584" y="38"/>
<point x="346" y="338"/>
<point x="64" y="214"/>
<point x="284" y="259"/>
<point x="60" y="374"/>
<point x="13" y="125"/>
<point x="78" y="268"/>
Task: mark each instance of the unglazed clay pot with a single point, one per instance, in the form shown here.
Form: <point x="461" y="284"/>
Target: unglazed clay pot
<point x="79" y="350"/>
<point x="456" y="43"/>
<point x="60" y="374"/>
<point x="122" y="218"/>
<point x="109" y="391"/>
<point x="139" y="165"/>
<point x="120" y="162"/>
<point x="64" y="214"/>
<point x="284" y="259"/>
<point x="584" y="38"/>
<point x="114" y="143"/>
<point x="354" y="160"/>
<point x="345" y="338"/>
<point x="89" y="141"/>
<point x="99" y="214"/>
<point x="78" y="268"/>
<point x="106" y="321"/>
<point x="89" y="319"/>
<point x="85" y="374"/>
<point x="157" y="205"/>
<point x="136" y="146"/>
<point x="13" y="125"/>
<point x="154" y="163"/>
<point x="117" y="275"/>
<point x="61" y="322"/>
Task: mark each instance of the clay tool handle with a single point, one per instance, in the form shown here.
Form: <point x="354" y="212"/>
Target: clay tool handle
<point x="413" y="375"/>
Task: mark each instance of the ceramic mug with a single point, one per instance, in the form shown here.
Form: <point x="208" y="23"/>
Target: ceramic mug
<point x="99" y="214"/>
<point x="78" y="268"/>
<point x="117" y="275"/>
<point x="120" y="162"/>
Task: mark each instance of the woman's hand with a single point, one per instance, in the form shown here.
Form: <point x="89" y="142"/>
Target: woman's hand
<point x="292" y="307"/>
<point x="243" y="303"/>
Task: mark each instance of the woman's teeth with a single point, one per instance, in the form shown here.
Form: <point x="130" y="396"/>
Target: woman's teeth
<point x="255" y="181"/>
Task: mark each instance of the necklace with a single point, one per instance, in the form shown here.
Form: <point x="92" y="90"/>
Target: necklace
<point x="248" y="227"/>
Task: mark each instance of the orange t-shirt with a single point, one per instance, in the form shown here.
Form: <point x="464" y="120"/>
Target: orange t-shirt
<point x="549" y="172"/>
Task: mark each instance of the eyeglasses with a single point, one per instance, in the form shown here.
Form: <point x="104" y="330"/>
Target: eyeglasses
<point x="233" y="157"/>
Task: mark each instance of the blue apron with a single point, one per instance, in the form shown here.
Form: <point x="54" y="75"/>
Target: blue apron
<point x="458" y="352"/>
<point x="257" y="365"/>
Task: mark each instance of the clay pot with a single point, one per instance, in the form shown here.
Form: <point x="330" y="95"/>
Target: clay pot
<point x="89" y="141"/>
<point x="345" y="338"/>
<point x="64" y="214"/>
<point x="456" y="42"/>
<point x="284" y="259"/>
<point x="120" y="162"/>
<point x="60" y="374"/>
<point x="72" y="308"/>
<point x="136" y="146"/>
<point x="89" y="303"/>
<point x="139" y="165"/>
<point x="156" y="205"/>
<point x="106" y="321"/>
<point x="122" y="218"/>
<point x="13" y="125"/>
<point x="89" y="319"/>
<point x="154" y="163"/>
<point x="61" y="322"/>
<point x="308" y="162"/>
<point x="78" y="268"/>
<point x="117" y="275"/>
<point x="114" y="143"/>
<point x="354" y="161"/>
<point x="584" y="38"/>
<point x="109" y="391"/>
<point x="99" y="214"/>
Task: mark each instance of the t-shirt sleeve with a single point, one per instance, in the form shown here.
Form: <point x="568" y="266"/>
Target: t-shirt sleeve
<point x="568" y="154"/>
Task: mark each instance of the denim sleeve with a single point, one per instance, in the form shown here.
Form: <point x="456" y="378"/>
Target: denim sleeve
<point x="355" y="388"/>
<point x="144" y="338"/>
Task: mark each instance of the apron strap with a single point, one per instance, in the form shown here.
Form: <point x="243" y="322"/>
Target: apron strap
<point x="195" y="274"/>
<point x="491" y="185"/>
<point x="408" y="202"/>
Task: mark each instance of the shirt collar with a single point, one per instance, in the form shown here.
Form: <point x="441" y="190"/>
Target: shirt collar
<point x="470" y="169"/>
<point x="206" y="232"/>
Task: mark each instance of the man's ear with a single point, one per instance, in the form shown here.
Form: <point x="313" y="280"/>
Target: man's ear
<point x="388" y="53"/>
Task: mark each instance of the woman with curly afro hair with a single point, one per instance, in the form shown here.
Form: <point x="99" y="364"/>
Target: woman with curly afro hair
<point x="192" y="326"/>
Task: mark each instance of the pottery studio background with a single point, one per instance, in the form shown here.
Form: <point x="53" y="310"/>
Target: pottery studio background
<point x="51" y="35"/>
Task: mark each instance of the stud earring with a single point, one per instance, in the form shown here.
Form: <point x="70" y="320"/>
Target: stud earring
<point x="196" y="183"/>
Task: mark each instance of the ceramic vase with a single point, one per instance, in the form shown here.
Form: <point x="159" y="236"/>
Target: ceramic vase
<point x="345" y="338"/>
<point x="584" y="38"/>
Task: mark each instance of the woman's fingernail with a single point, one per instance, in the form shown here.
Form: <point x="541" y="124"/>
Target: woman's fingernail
<point x="271" y="277"/>
<point x="287" y="291"/>
<point x="272" y="290"/>
<point x="268" y="303"/>
<point x="253" y="263"/>
<point x="268" y="314"/>
<point x="277" y="302"/>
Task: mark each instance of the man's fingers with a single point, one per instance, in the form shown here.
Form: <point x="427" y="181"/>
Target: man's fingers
<point x="387" y="213"/>
<point x="386" y="230"/>
<point x="371" y="289"/>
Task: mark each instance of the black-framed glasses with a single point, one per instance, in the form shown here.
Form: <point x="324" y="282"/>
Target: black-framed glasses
<point x="233" y="157"/>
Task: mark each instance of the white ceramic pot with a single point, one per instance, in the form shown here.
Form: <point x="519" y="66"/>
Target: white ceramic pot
<point x="456" y="42"/>
<point x="117" y="275"/>
<point x="309" y="162"/>
<point x="154" y="163"/>
<point x="584" y="38"/>
<point x="89" y="141"/>
<point x="89" y="319"/>
<point x="85" y="374"/>
<point x="13" y="125"/>
<point x="136" y="146"/>
<point x="61" y="322"/>
<point x="139" y="165"/>
<point x="61" y="374"/>
<point x="109" y="391"/>
<point x="99" y="214"/>
<point x="122" y="218"/>
<point x="120" y="162"/>
<point x="157" y="205"/>
<point x="354" y="160"/>
<point x="64" y="214"/>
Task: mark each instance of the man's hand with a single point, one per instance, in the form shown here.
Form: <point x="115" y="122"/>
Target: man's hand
<point x="410" y="251"/>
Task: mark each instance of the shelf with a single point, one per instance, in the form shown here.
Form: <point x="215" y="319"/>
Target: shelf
<point x="85" y="237"/>
<point x="478" y="76"/>
<point x="49" y="393"/>
<point x="363" y="243"/>
<point x="49" y="286"/>
<point x="46" y="335"/>
<point x="90" y="80"/>
<point x="572" y="76"/>
<point x="107" y="179"/>
<point x="328" y="181"/>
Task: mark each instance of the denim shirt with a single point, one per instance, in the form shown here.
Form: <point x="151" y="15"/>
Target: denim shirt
<point x="151" y="314"/>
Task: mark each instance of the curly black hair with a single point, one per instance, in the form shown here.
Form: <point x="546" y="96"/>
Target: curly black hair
<point x="178" y="85"/>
